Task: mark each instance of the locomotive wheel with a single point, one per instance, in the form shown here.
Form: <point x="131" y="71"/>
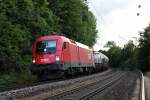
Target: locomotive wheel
<point x="71" y="72"/>
<point x="51" y="75"/>
<point x="90" y="70"/>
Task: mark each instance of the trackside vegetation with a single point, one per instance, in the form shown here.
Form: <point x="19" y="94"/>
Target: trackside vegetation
<point x="131" y="56"/>
<point x="147" y="74"/>
<point x="22" y="21"/>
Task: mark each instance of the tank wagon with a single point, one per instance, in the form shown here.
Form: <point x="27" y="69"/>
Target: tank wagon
<point x="58" y="56"/>
<point x="101" y="61"/>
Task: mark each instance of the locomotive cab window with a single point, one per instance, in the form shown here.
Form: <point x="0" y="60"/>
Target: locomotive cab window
<point x="48" y="46"/>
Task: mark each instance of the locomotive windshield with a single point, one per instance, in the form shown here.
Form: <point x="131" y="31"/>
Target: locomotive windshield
<point x="48" y="46"/>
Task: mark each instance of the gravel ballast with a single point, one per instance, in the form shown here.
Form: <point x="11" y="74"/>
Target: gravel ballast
<point x="34" y="90"/>
<point x="123" y="90"/>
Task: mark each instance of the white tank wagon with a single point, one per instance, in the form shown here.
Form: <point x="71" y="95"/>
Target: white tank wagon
<point x="101" y="61"/>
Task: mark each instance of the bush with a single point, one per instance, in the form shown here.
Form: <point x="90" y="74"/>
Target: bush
<point x="7" y="79"/>
<point x="147" y="74"/>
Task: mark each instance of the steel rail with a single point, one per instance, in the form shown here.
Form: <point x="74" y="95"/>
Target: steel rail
<point x="79" y="88"/>
<point x="32" y="90"/>
<point x="100" y="89"/>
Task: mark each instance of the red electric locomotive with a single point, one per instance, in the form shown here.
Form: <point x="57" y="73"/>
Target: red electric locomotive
<point x="59" y="55"/>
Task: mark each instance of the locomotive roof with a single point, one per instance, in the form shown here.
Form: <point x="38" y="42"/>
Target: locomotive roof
<point x="82" y="45"/>
<point x="48" y="37"/>
<point x="78" y="44"/>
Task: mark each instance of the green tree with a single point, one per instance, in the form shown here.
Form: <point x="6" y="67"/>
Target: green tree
<point x="110" y="44"/>
<point x="76" y="21"/>
<point x="125" y="57"/>
<point x="20" y="23"/>
<point x="127" y="51"/>
<point x="144" y="49"/>
<point x="129" y="56"/>
<point x="113" y="53"/>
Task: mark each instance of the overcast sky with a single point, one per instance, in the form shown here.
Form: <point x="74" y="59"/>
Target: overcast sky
<point x="117" y="20"/>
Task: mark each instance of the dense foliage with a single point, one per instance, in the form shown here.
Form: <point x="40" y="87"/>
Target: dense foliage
<point x="144" y="50"/>
<point x="76" y="21"/>
<point x="125" y="57"/>
<point x="131" y="56"/>
<point x="22" y="21"/>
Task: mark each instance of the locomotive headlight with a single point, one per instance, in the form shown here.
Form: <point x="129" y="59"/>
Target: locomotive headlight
<point x="57" y="57"/>
<point x="33" y="60"/>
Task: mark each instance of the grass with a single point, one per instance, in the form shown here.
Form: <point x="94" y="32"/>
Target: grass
<point x="101" y="98"/>
<point x="147" y="74"/>
<point x="7" y="79"/>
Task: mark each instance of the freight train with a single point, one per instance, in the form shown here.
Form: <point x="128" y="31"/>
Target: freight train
<point x="58" y="56"/>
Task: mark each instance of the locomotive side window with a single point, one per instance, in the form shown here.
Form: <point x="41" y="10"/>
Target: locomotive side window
<point x="64" y="46"/>
<point x="48" y="46"/>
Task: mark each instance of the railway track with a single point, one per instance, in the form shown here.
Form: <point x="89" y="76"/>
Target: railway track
<point x="109" y="85"/>
<point x="35" y="90"/>
<point x="87" y="90"/>
<point x="19" y="86"/>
